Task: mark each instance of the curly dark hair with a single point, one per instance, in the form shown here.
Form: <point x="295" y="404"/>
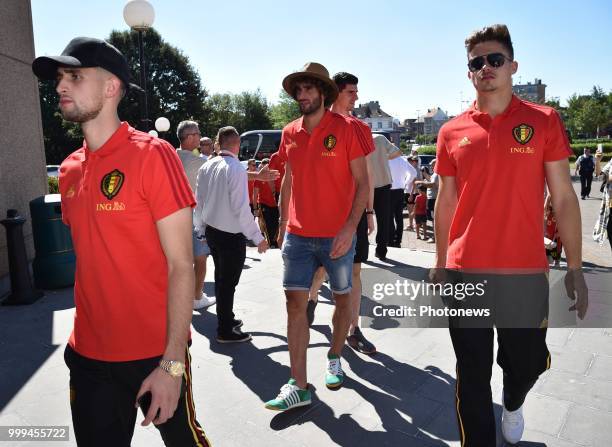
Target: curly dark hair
<point x="321" y="86"/>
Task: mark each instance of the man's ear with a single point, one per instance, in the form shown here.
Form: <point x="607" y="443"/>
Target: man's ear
<point x="514" y="67"/>
<point x="114" y="87"/>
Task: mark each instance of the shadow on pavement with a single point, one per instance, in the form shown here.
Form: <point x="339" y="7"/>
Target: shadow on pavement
<point x="26" y="340"/>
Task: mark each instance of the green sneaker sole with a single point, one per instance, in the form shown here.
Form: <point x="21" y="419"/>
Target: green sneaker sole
<point x="334" y="386"/>
<point x="300" y="404"/>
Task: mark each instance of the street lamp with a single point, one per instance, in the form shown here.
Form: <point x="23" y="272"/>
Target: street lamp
<point x="139" y="15"/>
<point x="162" y="124"/>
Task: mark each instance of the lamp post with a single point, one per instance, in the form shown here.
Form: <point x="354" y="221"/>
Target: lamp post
<point x="162" y="124"/>
<point x="139" y="15"/>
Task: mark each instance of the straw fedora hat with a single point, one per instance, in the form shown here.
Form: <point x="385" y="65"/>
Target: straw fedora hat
<point x="316" y="71"/>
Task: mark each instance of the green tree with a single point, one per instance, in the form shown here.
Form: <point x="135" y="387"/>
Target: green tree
<point x="60" y="137"/>
<point x="253" y="110"/>
<point x="285" y="111"/>
<point x="588" y="115"/>
<point x="245" y="111"/>
<point x="174" y="88"/>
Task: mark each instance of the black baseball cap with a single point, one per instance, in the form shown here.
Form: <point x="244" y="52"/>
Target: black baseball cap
<point x="83" y="52"/>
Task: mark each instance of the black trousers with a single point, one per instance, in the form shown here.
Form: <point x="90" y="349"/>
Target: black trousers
<point x="102" y="398"/>
<point x="270" y="215"/>
<point x="522" y="355"/>
<point x="396" y="219"/>
<point x="522" y="352"/>
<point x="382" y="208"/>
<point x="585" y="184"/>
<point x="228" y="251"/>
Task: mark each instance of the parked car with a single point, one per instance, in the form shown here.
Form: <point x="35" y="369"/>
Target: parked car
<point x="259" y="144"/>
<point x="53" y="170"/>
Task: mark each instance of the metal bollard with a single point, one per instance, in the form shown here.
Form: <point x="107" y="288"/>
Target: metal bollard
<point x="22" y="290"/>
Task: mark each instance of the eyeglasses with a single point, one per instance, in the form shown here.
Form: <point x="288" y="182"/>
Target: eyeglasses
<point x="494" y="60"/>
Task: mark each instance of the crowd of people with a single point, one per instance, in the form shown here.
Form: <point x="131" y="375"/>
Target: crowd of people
<point x="331" y="184"/>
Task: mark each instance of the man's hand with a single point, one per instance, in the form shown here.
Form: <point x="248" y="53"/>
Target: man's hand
<point x="262" y="247"/>
<point x="577" y="291"/>
<point x="266" y="174"/>
<point x="371" y="223"/>
<point x="342" y="242"/>
<point x="165" y="392"/>
<point x="437" y="275"/>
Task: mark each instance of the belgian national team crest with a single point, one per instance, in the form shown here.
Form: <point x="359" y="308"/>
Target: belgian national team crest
<point x="522" y="133"/>
<point x="329" y="142"/>
<point x="111" y="183"/>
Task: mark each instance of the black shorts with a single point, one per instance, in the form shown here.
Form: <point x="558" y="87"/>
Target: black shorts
<point x="102" y="398"/>
<point x="420" y="218"/>
<point x="362" y="245"/>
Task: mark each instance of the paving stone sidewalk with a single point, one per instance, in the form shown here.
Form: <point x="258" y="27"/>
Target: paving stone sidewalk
<point x="402" y="396"/>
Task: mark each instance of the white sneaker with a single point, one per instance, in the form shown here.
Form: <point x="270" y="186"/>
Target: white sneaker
<point x="204" y="302"/>
<point x="513" y="424"/>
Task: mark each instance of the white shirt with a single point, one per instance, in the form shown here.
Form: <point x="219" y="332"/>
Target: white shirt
<point x="411" y="176"/>
<point x="399" y="169"/>
<point x="222" y="196"/>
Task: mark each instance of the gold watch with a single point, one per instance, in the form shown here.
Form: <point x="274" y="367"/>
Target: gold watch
<point x="172" y="367"/>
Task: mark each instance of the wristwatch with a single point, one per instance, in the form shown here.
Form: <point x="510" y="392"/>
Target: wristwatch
<point x="172" y="367"/>
<point x="367" y="211"/>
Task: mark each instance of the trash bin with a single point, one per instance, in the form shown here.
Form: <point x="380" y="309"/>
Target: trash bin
<point x="54" y="263"/>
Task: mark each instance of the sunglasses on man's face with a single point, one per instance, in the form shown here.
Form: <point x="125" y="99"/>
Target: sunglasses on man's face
<point x="494" y="60"/>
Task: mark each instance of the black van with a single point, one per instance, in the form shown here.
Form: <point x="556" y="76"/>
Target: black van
<point x="259" y="144"/>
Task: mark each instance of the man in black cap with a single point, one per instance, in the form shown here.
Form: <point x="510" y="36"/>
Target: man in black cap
<point x="128" y="203"/>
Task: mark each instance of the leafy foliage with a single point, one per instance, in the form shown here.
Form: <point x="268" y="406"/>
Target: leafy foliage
<point x="285" y="111"/>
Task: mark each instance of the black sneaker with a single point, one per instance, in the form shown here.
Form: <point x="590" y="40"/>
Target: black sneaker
<point x="359" y="343"/>
<point x="381" y="256"/>
<point x="310" y="311"/>
<point x="236" y="336"/>
<point x="236" y="324"/>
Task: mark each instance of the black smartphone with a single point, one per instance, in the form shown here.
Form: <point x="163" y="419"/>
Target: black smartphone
<point x="144" y="402"/>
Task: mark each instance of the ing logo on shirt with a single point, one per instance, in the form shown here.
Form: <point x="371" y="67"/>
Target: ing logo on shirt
<point x="111" y="183"/>
<point x="522" y="133"/>
<point x="329" y="142"/>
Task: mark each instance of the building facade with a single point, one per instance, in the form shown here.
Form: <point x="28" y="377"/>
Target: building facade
<point x="378" y="120"/>
<point x="535" y="92"/>
<point x="22" y="156"/>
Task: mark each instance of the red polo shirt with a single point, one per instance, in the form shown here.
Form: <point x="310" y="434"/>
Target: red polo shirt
<point x="498" y="165"/>
<point x="322" y="187"/>
<point x="265" y="196"/>
<point x="363" y="134"/>
<point x="111" y="199"/>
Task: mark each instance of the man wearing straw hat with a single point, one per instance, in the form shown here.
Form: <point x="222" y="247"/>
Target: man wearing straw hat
<point x="323" y="195"/>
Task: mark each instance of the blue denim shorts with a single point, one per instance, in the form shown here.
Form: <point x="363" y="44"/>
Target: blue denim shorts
<point x="200" y="247"/>
<point x="303" y="255"/>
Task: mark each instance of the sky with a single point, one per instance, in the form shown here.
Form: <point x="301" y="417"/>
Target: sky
<point x="408" y="55"/>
